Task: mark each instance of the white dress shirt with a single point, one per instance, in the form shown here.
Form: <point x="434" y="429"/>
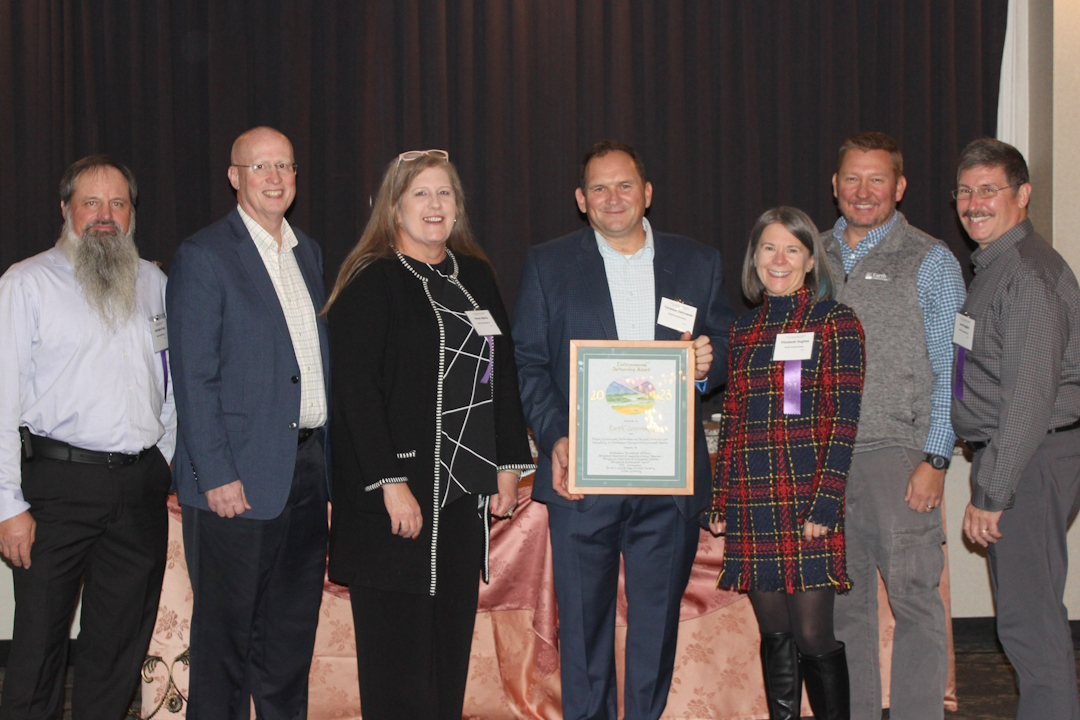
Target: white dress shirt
<point x="295" y="302"/>
<point x="65" y="376"/>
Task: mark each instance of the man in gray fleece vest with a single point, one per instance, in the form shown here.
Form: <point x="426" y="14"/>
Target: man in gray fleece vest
<point x="906" y="288"/>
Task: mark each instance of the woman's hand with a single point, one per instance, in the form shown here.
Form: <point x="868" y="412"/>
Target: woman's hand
<point x="718" y="526"/>
<point x="405" y="517"/>
<point x="504" y="504"/>
<point x="813" y="530"/>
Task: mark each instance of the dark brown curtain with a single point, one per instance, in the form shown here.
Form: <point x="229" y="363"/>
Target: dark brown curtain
<point x="736" y="106"/>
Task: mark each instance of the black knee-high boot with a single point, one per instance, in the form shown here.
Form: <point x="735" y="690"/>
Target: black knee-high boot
<point x="827" y="686"/>
<point x="780" y="666"/>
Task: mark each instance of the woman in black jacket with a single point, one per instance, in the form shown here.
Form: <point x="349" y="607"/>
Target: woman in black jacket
<point x="427" y="435"/>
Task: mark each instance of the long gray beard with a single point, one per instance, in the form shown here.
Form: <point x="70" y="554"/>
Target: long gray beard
<point x="106" y="267"/>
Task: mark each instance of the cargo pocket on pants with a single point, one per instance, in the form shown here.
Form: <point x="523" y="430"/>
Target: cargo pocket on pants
<point x="917" y="561"/>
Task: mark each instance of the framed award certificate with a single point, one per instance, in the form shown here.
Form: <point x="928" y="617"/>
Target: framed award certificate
<point x="631" y="417"/>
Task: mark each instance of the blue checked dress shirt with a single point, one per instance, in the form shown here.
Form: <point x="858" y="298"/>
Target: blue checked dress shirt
<point x="632" y="288"/>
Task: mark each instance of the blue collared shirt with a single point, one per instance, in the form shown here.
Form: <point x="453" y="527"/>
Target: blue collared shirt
<point x="66" y="376"/>
<point x="940" y="286"/>
<point x="632" y="287"/>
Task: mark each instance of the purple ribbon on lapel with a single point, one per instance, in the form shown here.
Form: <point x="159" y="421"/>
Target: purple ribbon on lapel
<point x="491" y="357"/>
<point x="793" y="387"/>
<point x="165" y="371"/>
<point x="958" y="375"/>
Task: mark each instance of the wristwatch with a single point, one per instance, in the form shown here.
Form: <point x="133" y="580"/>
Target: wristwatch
<point x="938" y="462"/>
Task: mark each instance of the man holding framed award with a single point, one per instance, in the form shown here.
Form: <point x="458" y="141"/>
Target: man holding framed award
<point x="619" y="281"/>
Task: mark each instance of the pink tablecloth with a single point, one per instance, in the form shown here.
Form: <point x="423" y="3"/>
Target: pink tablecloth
<point x="513" y="673"/>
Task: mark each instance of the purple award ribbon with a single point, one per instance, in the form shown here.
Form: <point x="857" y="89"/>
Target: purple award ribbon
<point x="165" y="371"/>
<point x="793" y="387"/>
<point x="958" y="376"/>
<point x="487" y="373"/>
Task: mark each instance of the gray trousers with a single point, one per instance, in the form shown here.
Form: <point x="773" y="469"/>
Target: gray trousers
<point x="1027" y="568"/>
<point x="882" y="532"/>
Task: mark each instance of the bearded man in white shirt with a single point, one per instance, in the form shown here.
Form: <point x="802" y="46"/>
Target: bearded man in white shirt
<point x="87" y="429"/>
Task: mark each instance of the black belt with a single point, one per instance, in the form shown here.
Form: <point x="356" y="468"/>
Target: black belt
<point x="304" y="434"/>
<point x="57" y="450"/>
<point x="977" y="445"/>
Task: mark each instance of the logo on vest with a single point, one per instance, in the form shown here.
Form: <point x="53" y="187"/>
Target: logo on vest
<point x="876" y="276"/>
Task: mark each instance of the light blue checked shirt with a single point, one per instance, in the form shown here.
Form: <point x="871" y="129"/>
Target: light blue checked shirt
<point x="940" y="286"/>
<point x="632" y="288"/>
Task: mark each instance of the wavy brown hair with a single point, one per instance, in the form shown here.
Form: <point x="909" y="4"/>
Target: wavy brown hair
<point x="380" y="235"/>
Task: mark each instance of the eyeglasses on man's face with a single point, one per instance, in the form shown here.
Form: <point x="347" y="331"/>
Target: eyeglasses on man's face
<point x="263" y="169"/>
<point x="985" y="192"/>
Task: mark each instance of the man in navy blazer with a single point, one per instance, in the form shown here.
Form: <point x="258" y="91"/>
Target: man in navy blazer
<point x="250" y="362"/>
<point x="607" y="282"/>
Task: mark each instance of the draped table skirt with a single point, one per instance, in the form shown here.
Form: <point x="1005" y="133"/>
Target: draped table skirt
<point x="514" y="671"/>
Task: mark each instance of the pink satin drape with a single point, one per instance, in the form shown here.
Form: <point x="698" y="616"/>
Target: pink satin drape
<point x="513" y="673"/>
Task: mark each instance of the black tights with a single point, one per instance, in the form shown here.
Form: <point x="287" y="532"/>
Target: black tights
<point x="808" y="616"/>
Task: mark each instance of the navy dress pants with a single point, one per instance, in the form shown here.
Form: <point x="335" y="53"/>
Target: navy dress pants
<point x="657" y="545"/>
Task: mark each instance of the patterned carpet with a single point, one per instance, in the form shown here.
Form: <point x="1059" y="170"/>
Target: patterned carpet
<point x="985" y="683"/>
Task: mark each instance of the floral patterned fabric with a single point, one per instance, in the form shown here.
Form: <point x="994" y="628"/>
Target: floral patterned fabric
<point x="513" y="672"/>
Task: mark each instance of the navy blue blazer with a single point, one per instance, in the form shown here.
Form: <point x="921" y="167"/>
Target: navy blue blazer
<point x="236" y="377"/>
<point x="564" y="296"/>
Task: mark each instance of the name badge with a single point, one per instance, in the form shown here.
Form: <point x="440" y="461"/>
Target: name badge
<point x="793" y="346"/>
<point x="160" y="332"/>
<point x="676" y="315"/>
<point x="483" y="323"/>
<point x="963" y="333"/>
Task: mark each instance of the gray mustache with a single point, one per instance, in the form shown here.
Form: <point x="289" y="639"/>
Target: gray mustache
<point x="111" y="223"/>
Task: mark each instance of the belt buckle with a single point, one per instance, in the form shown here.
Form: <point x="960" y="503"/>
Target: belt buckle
<point x="118" y="462"/>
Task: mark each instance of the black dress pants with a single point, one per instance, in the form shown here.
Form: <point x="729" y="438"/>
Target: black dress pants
<point x="108" y="529"/>
<point x="257" y="590"/>
<point x="412" y="651"/>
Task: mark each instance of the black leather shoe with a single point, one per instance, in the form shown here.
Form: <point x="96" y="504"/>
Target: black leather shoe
<point x="827" y="686"/>
<point x="780" y="666"/>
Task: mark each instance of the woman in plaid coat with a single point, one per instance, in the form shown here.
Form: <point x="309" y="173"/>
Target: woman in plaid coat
<point x="790" y="414"/>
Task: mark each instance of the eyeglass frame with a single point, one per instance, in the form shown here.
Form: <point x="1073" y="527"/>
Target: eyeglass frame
<point x="990" y="191"/>
<point x="410" y="155"/>
<point x="280" y="166"/>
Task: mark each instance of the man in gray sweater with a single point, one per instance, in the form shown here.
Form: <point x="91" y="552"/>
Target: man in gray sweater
<point x="905" y="287"/>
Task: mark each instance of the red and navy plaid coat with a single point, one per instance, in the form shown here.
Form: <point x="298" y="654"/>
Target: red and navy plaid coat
<point x="775" y="472"/>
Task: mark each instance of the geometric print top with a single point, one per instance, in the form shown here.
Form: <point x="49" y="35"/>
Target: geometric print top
<point x="777" y="471"/>
<point x="465" y="411"/>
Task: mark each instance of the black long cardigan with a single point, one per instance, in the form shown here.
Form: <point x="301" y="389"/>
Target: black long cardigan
<point x="384" y="350"/>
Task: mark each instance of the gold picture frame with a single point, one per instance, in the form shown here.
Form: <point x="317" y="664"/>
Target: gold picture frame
<point x="631" y="417"/>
